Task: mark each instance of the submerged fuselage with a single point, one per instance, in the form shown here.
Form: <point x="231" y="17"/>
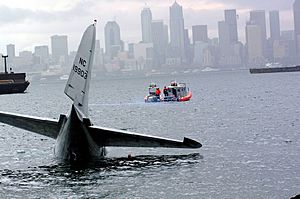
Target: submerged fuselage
<point x="74" y="142"/>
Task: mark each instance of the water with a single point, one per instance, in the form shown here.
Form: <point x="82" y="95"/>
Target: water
<point x="248" y="125"/>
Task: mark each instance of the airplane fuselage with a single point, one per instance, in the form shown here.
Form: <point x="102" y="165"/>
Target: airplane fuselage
<point x="74" y="142"/>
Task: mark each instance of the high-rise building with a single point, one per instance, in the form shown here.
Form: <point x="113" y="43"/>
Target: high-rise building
<point x="42" y="53"/>
<point x="177" y="30"/>
<point x="254" y="45"/>
<point x="98" y="57"/>
<point x="166" y="34"/>
<point x="59" y="47"/>
<point x="274" y="25"/>
<point x="231" y="20"/>
<point x="258" y="17"/>
<point x="200" y="33"/>
<point x="11" y="52"/>
<point x="146" y="19"/>
<point x="224" y="38"/>
<point x="113" y="44"/>
<point x="296" y="8"/>
<point x="159" y="43"/>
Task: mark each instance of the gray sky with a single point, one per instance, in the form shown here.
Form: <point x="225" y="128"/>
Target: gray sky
<point x="32" y="22"/>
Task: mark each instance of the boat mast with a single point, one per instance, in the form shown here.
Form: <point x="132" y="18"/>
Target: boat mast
<point x="5" y="67"/>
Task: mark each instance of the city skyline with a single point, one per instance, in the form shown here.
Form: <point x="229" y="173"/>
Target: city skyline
<point x="38" y="23"/>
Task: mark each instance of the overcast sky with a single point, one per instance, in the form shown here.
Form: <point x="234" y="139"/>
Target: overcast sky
<point x="27" y="23"/>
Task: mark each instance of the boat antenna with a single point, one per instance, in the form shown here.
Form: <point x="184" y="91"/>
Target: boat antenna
<point x="5" y="67"/>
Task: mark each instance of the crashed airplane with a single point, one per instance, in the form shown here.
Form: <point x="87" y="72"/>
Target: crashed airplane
<point x="77" y="139"/>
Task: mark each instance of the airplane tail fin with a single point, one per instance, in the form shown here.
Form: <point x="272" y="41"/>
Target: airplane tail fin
<point x="77" y="87"/>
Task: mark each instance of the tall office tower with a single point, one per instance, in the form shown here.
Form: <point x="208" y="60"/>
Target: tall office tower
<point x="296" y="7"/>
<point x="59" y="47"/>
<point x="159" y="43"/>
<point x="113" y="44"/>
<point x="230" y="19"/>
<point x="254" y="45"/>
<point x="42" y="53"/>
<point x="187" y="47"/>
<point x="274" y="25"/>
<point x="146" y="19"/>
<point x="11" y="52"/>
<point x="200" y="33"/>
<point x="177" y="30"/>
<point x="98" y="58"/>
<point x="258" y="17"/>
<point x="166" y="34"/>
<point x="224" y="38"/>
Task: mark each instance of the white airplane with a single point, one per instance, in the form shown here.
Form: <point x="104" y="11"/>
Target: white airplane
<point x="77" y="139"/>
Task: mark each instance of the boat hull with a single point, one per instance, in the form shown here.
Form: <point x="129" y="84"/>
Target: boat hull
<point x="274" y="70"/>
<point x="169" y="98"/>
<point x="15" y="87"/>
<point x="186" y="98"/>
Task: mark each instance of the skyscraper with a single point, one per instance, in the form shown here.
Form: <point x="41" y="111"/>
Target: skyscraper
<point x="146" y="19"/>
<point x="258" y="17"/>
<point x="177" y="30"/>
<point x="224" y="38"/>
<point x="296" y="8"/>
<point x="274" y="25"/>
<point x="200" y="33"/>
<point x="230" y="19"/>
<point x="113" y="44"/>
<point x="59" y="47"/>
<point x="159" y="43"/>
<point x="254" y="45"/>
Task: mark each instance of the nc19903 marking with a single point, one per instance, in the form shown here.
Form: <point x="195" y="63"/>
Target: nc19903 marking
<point x="80" y="72"/>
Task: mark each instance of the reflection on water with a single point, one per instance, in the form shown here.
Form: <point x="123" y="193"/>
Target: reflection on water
<point x="103" y="165"/>
<point x="77" y="176"/>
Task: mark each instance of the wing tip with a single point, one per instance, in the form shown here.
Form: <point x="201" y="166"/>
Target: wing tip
<point x="191" y="143"/>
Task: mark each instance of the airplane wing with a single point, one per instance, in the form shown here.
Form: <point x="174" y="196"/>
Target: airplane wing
<point x="42" y="126"/>
<point x="112" y="137"/>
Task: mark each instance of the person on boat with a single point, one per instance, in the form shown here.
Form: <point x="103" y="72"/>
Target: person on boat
<point x="166" y="91"/>
<point x="174" y="92"/>
<point x="157" y="92"/>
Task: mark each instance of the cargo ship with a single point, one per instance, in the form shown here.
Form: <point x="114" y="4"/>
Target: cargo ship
<point x="12" y="82"/>
<point x="275" y="69"/>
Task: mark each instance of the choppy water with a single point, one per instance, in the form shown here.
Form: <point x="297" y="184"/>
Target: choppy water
<point x="248" y="125"/>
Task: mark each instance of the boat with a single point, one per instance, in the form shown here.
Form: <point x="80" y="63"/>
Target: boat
<point x="152" y="97"/>
<point x="12" y="82"/>
<point x="177" y="92"/>
<point x="275" y="69"/>
<point x="174" y="92"/>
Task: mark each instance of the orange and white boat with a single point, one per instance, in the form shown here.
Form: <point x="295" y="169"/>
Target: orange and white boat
<point x="177" y="92"/>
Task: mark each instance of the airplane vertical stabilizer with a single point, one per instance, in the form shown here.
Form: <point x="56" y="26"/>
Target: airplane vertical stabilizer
<point x="77" y="87"/>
